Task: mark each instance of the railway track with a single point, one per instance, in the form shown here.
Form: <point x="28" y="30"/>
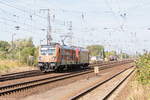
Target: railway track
<point x="5" y="90"/>
<point x="19" y="75"/>
<point x="89" y="90"/>
<point x="116" y="87"/>
<point x="33" y="73"/>
<point x="13" y="88"/>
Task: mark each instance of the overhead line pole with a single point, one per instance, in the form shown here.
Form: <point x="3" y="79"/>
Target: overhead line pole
<point x="49" y="29"/>
<point x="12" y="40"/>
<point x="70" y="34"/>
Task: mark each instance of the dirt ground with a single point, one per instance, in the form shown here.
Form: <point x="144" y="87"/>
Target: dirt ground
<point x="134" y="91"/>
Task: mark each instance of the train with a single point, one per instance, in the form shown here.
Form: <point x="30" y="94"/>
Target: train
<point x="56" y="57"/>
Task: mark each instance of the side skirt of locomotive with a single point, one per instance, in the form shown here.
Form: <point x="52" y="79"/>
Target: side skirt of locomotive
<point x="47" y="67"/>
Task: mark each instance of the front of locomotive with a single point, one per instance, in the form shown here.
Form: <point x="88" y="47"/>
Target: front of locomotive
<point x="47" y="58"/>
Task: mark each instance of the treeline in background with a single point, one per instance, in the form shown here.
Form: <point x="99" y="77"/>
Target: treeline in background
<point x="23" y="51"/>
<point x="19" y="52"/>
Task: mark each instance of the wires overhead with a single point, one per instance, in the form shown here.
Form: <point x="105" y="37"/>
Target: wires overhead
<point x="120" y="14"/>
<point x="22" y="10"/>
<point x="92" y="25"/>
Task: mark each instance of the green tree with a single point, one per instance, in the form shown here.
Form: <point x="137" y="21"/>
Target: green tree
<point x="4" y="49"/>
<point x="25" y="53"/>
<point x="96" y="50"/>
<point x="123" y="55"/>
<point x="22" y="43"/>
<point x="110" y="53"/>
<point x="23" y="50"/>
<point x="4" y="46"/>
<point x="143" y="68"/>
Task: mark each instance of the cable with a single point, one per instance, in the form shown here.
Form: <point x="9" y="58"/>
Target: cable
<point x="25" y="11"/>
<point x="19" y="23"/>
<point x="21" y="9"/>
<point x="22" y="28"/>
<point x="18" y="17"/>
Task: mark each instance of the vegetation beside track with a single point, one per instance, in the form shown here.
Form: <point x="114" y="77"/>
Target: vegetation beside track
<point x="133" y="90"/>
<point x="139" y="85"/>
<point x="14" y="56"/>
<point x="143" y="69"/>
<point x="21" y="50"/>
<point x="11" y="66"/>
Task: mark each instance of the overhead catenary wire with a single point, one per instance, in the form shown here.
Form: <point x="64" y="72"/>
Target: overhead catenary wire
<point x="28" y="25"/>
<point x="114" y="13"/>
<point x="30" y="12"/>
<point x="17" y="16"/>
<point x="22" y="9"/>
<point x="21" y="28"/>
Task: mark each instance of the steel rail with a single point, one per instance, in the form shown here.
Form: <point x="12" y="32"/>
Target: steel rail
<point x="81" y="94"/>
<point x="114" y="89"/>
<point x="31" y="84"/>
<point x="8" y="89"/>
<point x="25" y="74"/>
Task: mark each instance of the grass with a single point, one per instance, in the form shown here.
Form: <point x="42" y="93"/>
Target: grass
<point x="134" y="90"/>
<point x="10" y="66"/>
<point x="11" y="63"/>
<point x="6" y="65"/>
<point x="139" y="91"/>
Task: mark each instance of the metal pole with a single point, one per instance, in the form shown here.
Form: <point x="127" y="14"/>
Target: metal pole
<point x="49" y="38"/>
<point x="13" y="40"/>
<point x="19" y="56"/>
<point x="70" y="33"/>
<point x="12" y="44"/>
<point x="49" y="29"/>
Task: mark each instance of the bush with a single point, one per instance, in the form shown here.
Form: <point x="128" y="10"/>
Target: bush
<point x="143" y="68"/>
<point x="23" y="51"/>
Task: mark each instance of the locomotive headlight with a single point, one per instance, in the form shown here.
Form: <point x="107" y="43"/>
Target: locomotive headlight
<point x="52" y="64"/>
<point x="40" y="58"/>
<point x="40" y="64"/>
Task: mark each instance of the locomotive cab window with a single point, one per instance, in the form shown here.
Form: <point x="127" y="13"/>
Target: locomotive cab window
<point x="43" y="52"/>
<point x="51" y="51"/>
<point x="47" y="51"/>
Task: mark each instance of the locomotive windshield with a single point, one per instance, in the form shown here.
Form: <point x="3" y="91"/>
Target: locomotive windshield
<point x="47" y="50"/>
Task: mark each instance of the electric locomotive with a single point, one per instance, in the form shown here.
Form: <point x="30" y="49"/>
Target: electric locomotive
<point x="56" y="57"/>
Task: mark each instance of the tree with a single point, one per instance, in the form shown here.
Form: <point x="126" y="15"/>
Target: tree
<point x="123" y="56"/>
<point x="22" y="43"/>
<point x="4" y="46"/>
<point x="96" y="50"/>
<point x="4" y="49"/>
<point x="110" y="53"/>
<point x="23" y="50"/>
<point x="143" y="68"/>
<point x="25" y="53"/>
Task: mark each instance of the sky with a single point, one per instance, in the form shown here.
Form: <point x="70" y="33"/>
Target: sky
<point x="120" y="25"/>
